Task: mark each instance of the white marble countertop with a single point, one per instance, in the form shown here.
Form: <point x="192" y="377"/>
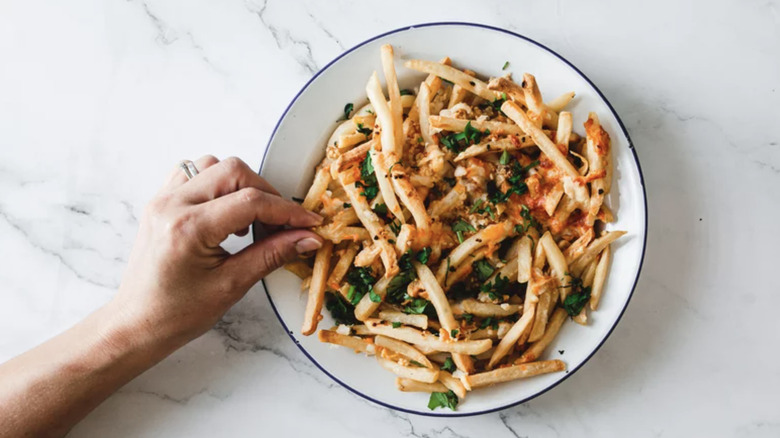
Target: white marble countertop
<point x="99" y="98"/>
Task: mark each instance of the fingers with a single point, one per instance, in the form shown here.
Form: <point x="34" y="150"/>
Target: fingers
<point x="234" y="212"/>
<point x="261" y="258"/>
<point x="226" y="177"/>
<point x="177" y="176"/>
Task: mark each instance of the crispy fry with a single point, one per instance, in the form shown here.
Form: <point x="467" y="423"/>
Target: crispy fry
<point x="600" y="278"/>
<point x="420" y="321"/>
<point x="365" y="307"/>
<point x="418" y="338"/>
<point x="514" y="372"/>
<point x="403" y="349"/>
<point x="455" y="76"/>
<point x="299" y="268"/>
<point x="352" y="342"/>
<point x="317" y="289"/>
<point x="481" y="309"/>
<point x="421" y="374"/>
<point x="409" y="385"/>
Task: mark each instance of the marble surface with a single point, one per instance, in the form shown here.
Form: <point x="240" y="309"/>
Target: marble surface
<point x="99" y="98"/>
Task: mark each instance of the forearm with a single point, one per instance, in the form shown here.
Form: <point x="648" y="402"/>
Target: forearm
<point x="47" y="390"/>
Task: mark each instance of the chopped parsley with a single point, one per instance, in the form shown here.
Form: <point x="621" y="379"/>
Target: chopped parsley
<point x="576" y="300"/>
<point x="443" y="400"/>
<point x="407" y="92"/>
<point x="396" y="324"/>
<point x="489" y="322"/>
<point x="483" y="269"/>
<point x="395" y="226"/>
<point x="363" y="130"/>
<point x="347" y="205"/>
<point x="361" y="282"/>
<point x="368" y="179"/>
<point x="417" y="306"/>
<point x="449" y="365"/>
<point x="516" y="184"/>
<point x="417" y="364"/>
<point x="505" y="158"/>
<point x="348" y="110"/>
<point x="373" y="296"/>
<point x="457" y="141"/>
<point x="423" y="255"/>
<point x="506" y="64"/>
<point x="454" y="333"/>
<point x="380" y="209"/>
<point x="396" y="289"/>
<point x="497" y="288"/>
<point x="467" y="317"/>
<point x="461" y="226"/>
<point x="341" y="311"/>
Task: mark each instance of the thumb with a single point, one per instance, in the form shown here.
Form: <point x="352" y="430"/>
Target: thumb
<point x="265" y="256"/>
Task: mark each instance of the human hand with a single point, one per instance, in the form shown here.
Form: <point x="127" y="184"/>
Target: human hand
<point x="179" y="281"/>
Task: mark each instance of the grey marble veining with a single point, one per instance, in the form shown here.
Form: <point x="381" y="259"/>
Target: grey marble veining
<point x="99" y="99"/>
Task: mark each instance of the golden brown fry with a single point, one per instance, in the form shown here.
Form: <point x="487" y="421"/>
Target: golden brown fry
<point x="455" y="76"/>
<point x="317" y="290"/>
<point x="600" y="278"/>
<point x="391" y="316"/>
<point x="514" y="372"/>
<point x="352" y="342"/>
<point x="342" y="266"/>
<point x="478" y="308"/>
<point x="421" y="374"/>
<point x="409" y="385"/>
<point x="299" y="268"/>
<point x="403" y="349"/>
<point x="418" y="338"/>
<point x="537" y="348"/>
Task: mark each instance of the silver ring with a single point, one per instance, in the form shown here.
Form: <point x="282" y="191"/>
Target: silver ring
<point x="189" y="169"/>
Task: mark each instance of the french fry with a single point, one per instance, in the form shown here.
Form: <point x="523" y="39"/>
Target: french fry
<point x="365" y="307"/>
<point x="495" y="146"/>
<point x="342" y="266"/>
<point x="537" y="348"/>
<point x="458" y="125"/>
<point x="524" y="259"/>
<point x="299" y="268"/>
<point x="455" y="76"/>
<point x="597" y="151"/>
<point x="409" y="385"/>
<point x="600" y="278"/>
<point x="563" y="133"/>
<point x="396" y="108"/>
<point x="403" y="349"/>
<point x="453" y="198"/>
<point x="453" y="384"/>
<point x="511" y="338"/>
<point x="577" y="247"/>
<point x="420" y="321"/>
<point x="443" y="311"/>
<point x="357" y="344"/>
<point x="481" y="309"/>
<point x="367" y="255"/>
<point x="421" y="374"/>
<point x="560" y="102"/>
<point x="374" y="225"/>
<point x="558" y="264"/>
<point x="580" y="263"/>
<point x="424" y="111"/>
<point x="490" y="235"/>
<point x="543" y="141"/>
<point x="542" y="314"/>
<point x="385" y="186"/>
<point x="533" y="100"/>
<point x="514" y="372"/>
<point x="318" y="187"/>
<point x="337" y="232"/>
<point x="317" y="290"/>
<point x="418" y="338"/>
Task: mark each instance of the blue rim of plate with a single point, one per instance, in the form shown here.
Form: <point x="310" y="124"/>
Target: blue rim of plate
<point x="641" y="181"/>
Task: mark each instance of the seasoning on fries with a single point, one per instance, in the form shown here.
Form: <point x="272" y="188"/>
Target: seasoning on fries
<point x="464" y="222"/>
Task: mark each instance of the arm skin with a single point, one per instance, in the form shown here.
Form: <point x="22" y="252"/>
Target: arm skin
<point x="177" y="285"/>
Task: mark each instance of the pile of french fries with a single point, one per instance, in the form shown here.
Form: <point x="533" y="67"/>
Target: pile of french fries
<point x="471" y="216"/>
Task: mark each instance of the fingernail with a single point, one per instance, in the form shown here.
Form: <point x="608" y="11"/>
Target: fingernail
<point x="317" y="219"/>
<point x="307" y="244"/>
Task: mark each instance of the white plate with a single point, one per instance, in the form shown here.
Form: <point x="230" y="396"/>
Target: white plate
<point x="298" y="144"/>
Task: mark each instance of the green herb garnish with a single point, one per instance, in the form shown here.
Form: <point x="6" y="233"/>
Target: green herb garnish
<point x="443" y="399"/>
<point x="449" y="365"/>
<point x="363" y="130"/>
<point x="348" y="110"/>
